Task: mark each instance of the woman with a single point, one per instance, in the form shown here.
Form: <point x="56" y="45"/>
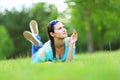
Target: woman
<point x="58" y="47"/>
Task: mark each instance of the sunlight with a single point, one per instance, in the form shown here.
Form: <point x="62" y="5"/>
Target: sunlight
<point x="9" y="4"/>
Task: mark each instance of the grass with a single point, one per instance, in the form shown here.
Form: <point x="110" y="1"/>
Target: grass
<point x="97" y="66"/>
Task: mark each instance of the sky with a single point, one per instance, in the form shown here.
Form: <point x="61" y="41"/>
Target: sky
<point x="9" y="4"/>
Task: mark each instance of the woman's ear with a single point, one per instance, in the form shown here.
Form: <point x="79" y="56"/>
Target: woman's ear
<point x="52" y="34"/>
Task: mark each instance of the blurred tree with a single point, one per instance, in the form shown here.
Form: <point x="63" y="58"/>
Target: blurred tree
<point x="18" y="21"/>
<point x="6" y="44"/>
<point x="43" y="13"/>
<point x="94" y="22"/>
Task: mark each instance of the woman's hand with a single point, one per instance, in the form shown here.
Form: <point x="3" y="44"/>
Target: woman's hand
<point x="73" y="37"/>
<point x="72" y="40"/>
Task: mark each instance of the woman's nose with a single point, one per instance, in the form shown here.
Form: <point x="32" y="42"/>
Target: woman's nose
<point x="64" y="29"/>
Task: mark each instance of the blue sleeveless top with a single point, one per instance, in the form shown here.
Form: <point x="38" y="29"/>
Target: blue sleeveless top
<point x="46" y="53"/>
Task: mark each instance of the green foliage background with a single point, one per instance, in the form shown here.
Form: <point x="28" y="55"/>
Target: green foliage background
<point x="18" y="21"/>
<point x="6" y="44"/>
<point x="96" y="21"/>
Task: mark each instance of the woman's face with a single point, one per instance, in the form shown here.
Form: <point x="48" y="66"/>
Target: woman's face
<point x="59" y="31"/>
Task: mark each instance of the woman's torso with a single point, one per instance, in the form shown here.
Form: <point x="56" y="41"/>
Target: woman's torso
<point x="46" y="53"/>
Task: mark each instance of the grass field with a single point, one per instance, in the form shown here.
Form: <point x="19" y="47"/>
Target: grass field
<point x="97" y="66"/>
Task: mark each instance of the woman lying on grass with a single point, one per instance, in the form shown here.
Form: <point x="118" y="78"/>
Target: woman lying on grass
<point x="59" y="47"/>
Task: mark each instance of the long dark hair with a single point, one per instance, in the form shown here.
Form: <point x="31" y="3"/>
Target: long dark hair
<point x="50" y="28"/>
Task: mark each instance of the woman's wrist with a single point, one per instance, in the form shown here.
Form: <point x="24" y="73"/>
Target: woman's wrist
<point x="71" y="44"/>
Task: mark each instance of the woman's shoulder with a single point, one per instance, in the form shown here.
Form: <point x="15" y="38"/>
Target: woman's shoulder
<point x="67" y="40"/>
<point x="47" y="44"/>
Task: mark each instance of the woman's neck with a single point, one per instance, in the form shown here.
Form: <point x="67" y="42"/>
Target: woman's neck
<point x="59" y="48"/>
<point x="59" y="43"/>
